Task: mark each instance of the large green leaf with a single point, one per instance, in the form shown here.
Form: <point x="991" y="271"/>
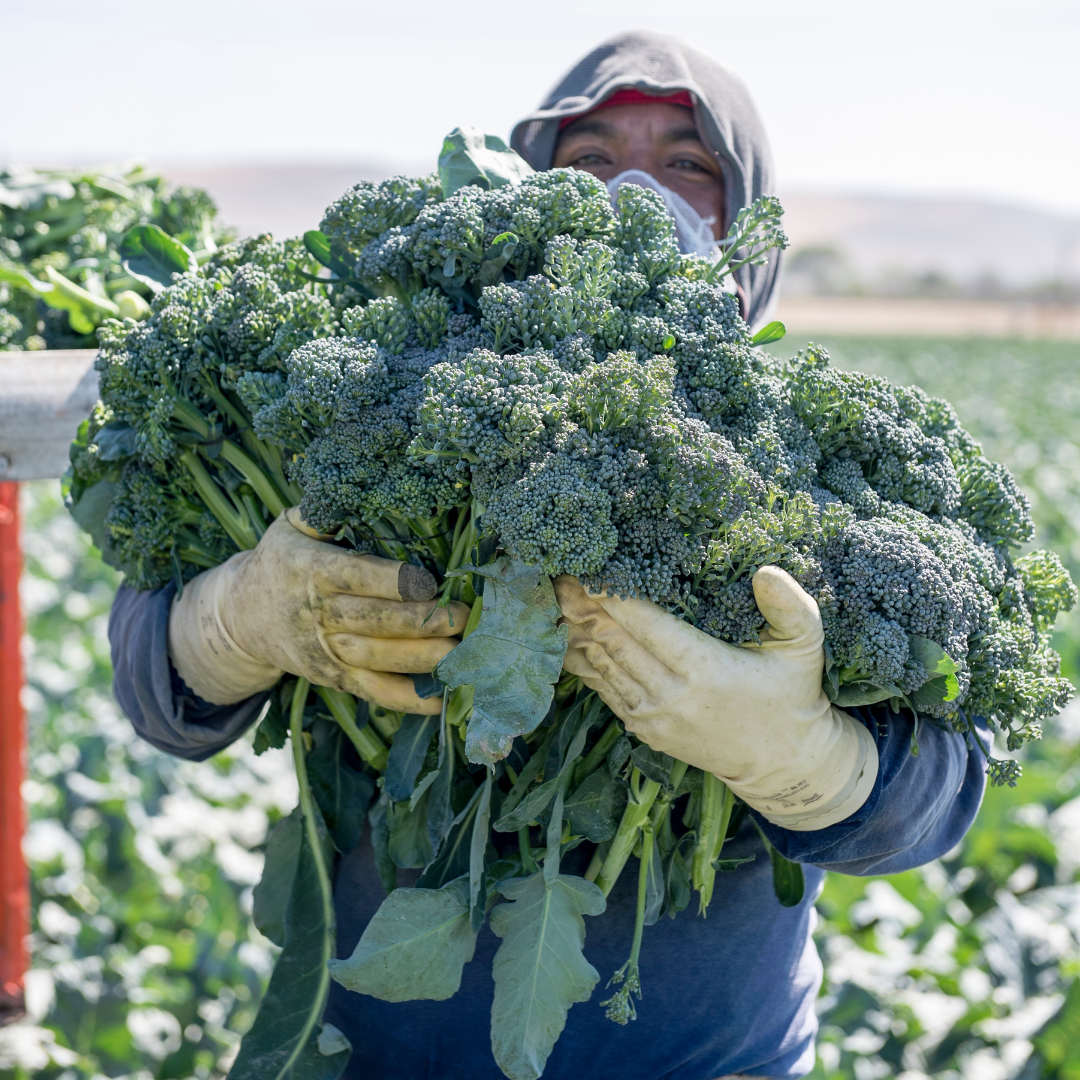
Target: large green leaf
<point x="540" y="969"/>
<point x="410" y="747"/>
<point x="152" y="256"/>
<point x="270" y="900"/>
<point x="513" y="658"/>
<point x="596" y="807"/>
<point x="270" y="1050"/>
<point x="471" y="157"/>
<point x="343" y="793"/>
<point x="414" y="947"/>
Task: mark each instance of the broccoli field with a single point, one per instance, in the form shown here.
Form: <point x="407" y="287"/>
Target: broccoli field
<point x="944" y="971"/>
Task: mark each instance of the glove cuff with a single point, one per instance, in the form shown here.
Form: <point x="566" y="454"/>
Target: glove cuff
<point x="203" y="652"/>
<point x="842" y="782"/>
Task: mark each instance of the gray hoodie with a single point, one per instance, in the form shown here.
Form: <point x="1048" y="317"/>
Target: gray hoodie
<point x="727" y="120"/>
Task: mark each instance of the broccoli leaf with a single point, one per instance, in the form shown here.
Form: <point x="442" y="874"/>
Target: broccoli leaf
<point x="477" y="851"/>
<point x="471" y="157"/>
<point x="454" y="856"/>
<point x="319" y="1060"/>
<point x="343" y="793"/>
<point x="318" y="245"/>
<point x="942" y="685"/>
<point x="410" y="747"/>
<point x="115" y="441"/>
<point x="414" y="947"/>
<point x="540" y="969"/>
<point x="769" y="333"/>
<point x="513" y="658"/>
<point x="408" y="842"/>
<point x="787" y="877"/>
<point x="152" y="256"/>
<point x="862" y="692"/>
<point x="596" y="807"/>
<point x="89" y="514"/>
<point x="380" y="843"/>
<point x="269" y="1050"/>
<point x="270" y="899"/>
<point x="653" y="765"/>
<point x="274" y="726"/>
<point x="536" y="802"/>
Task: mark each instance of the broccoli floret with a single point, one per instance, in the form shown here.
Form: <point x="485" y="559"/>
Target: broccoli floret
<point x="386" y="322"/>
<point x="555" y="517"/>
<point x="370" y="209"/>
<point x="1048" y="589"/>
<point x="646" y="231"/>
<point x="490" y="409"/>
<point x="431" y="310"/>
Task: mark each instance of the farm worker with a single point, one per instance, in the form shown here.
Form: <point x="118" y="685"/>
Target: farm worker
<point x="730" y="994"/>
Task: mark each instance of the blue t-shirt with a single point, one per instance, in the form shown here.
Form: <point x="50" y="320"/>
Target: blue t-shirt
<point x="730" y="993"/>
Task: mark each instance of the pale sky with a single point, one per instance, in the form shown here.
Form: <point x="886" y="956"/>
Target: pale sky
<point x="962" y="97"/>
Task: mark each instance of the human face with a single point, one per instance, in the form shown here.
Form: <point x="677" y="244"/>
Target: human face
<point x="657" y="138"/>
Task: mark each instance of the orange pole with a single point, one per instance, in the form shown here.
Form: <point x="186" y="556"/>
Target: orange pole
<point x="14" y="886"/>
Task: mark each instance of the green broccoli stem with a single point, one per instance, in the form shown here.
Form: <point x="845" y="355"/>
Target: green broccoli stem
<point x="642" y="797"/>
<point x="235" y="523"/>
<point x="717" y="801"/>
<point x="465" y="537"/>
<point x="644" y="865"/>
<point x="191" y="418"/>
<point x="620" y="1007"/>
<point x="342" y="707"/>
<point x="528" y="863"/>
<point x="326" y="894"/>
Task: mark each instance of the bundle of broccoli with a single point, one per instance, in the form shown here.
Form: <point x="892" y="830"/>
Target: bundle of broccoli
<point x="501" y="377"/>
<point x="62" y="270"/>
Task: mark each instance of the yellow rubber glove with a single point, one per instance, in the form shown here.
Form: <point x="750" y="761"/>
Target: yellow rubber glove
<point x="754" y="716"/>
<point x="352" y="622"/>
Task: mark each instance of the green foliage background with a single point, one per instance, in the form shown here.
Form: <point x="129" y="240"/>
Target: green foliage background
<point x="145" y="961"/>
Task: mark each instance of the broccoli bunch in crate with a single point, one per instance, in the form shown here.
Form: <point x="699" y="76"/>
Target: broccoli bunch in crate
<point x="506" y="376"/>
<point x="63" y="267"/>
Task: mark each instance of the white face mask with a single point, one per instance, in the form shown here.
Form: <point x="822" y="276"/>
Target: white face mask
<point x="694" y="232"/>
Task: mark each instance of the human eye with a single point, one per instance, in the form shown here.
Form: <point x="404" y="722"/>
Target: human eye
<point x="688" y="165"/>
<point x="585" y="160"/>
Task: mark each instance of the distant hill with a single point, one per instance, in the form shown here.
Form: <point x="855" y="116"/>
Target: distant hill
<point x="841" y="244"/>
<point x="890" y="244"/>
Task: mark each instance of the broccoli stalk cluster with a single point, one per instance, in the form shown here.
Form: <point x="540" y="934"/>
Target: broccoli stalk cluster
<point x="547" y="368"/>
<point x="505" y="382"/>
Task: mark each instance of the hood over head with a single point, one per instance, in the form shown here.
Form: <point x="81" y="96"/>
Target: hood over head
<point x="661" y="65"/>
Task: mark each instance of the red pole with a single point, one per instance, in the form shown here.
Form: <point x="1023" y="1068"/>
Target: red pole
<point x="14" y="887"/>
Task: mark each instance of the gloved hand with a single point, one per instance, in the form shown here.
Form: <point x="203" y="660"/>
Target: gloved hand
<point x="754" y="716"/>
<point x="347" y="621"/>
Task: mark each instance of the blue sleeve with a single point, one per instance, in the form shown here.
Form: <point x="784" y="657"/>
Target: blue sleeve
<point x="162" y="709"/>
<point x="920" y="808"/>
